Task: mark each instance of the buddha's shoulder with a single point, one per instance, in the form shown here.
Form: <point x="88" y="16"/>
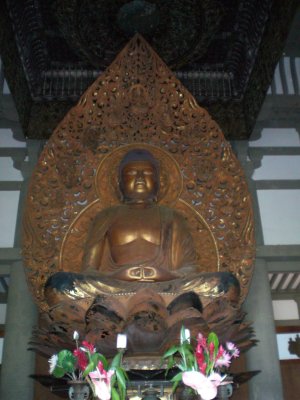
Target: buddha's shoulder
<point x="107" y="213"/>
<point x="171" y="213"/>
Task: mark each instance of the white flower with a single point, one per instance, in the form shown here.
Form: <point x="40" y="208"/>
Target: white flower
<point x="75" y="335"/>
<point x="52" y="361"/>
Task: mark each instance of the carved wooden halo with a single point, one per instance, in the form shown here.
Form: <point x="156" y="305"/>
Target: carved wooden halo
<point x="106" y="179"/>
<point x="63" y="197"/>
<point x="205" y="243"/>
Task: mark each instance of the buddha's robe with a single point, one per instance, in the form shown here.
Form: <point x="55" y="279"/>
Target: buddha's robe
<point x="175" y="250"/>
<point x="170" y="271"/>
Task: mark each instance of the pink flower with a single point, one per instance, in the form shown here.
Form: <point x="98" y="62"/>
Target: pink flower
<point x="205" y="386"/>
<point x="224" y="360"/>
<point x="101" y="380"/>
<point x="233" y="350"/>
<point x="201" y="340"/>
<point x="89" y="346"/>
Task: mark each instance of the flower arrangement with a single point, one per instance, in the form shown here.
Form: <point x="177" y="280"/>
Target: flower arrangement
<point x="84" y="363"/>
<point x="203" y="367"/>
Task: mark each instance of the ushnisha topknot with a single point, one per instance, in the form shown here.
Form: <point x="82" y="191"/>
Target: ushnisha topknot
<point x="138" y="155"/>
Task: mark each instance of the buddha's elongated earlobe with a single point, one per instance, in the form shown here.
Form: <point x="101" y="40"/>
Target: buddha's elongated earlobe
<point x="120" y="192"/>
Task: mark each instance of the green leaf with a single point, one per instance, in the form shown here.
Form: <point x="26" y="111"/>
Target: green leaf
<point x="177" y="377"/>
<point x="58" y="372"/>
<point x="190" y="361"/>
<point x="95" y="358"/>
<point x="195" y="365"/>
<point x="175" y="386"/>
<point x="63" y="354"/>
<point x="121" y="376"/>
<point x="125" y="374"/>
<point x="66" y="360"/>
<point x="182" y="334"/>
<point x="89" y="368"/>
<point x="113" y="380"/>
<point x="213" y="338"/>
<point x="116" y="361"/>
<point x="114" y="394"/>
<point x="121" y="381"/>
<point x="182" y="367"/>
<point x="172" y="350"/>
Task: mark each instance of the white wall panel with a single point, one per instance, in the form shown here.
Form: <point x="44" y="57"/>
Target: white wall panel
<point x="280" y="216"/>
<point x="9" y="201"/>
<point x="283" y="346"/>
<point x="277" y="137"/>
<point x="285" y="309"/>
<point x="278" y="167"/>
<point x="7" y="170"/>
<point x="7" y="139"/>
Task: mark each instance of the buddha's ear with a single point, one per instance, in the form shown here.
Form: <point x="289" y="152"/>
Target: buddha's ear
<point x="114" y="182"/>
<point x="118" y="191"/>
<point x="162" y="184"/>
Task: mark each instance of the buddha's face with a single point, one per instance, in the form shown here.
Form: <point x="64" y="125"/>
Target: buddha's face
<point x="139" y="181"/>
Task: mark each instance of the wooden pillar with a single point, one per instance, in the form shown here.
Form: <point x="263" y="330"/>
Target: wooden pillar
<point x="264" y="356"/>
<point x="17" y="362"/>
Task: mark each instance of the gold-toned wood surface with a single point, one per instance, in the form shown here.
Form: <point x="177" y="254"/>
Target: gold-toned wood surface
<point x="106" y="185"/>
<point x="137" y="102"/>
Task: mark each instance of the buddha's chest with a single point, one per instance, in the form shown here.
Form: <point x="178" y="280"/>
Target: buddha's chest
<point x="136" y="225"/>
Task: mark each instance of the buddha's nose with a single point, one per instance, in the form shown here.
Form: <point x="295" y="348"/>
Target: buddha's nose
<point x="140" y="177"/>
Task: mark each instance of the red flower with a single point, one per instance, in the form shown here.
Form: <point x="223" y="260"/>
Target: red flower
<point x="89" y="346"/>
<point x="211" y="348"/>
<point x="220" y="352"/>
<point x="199" y="355"/>
<point x="101" y="368"/>
<point x="82" y="361"/>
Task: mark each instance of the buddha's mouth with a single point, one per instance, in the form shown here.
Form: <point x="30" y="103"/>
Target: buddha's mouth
<point x="140" y="184"/>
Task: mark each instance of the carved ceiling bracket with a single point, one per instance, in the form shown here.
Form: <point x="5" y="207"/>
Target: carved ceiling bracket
<point x="225" y="53"/>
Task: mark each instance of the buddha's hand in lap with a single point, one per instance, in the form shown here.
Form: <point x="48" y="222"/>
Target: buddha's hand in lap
<point x="144" y="274"/>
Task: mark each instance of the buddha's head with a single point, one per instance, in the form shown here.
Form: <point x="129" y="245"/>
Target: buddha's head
<point x="139" y="177"/>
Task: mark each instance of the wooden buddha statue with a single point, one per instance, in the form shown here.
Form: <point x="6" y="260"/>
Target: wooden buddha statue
<point x="140" y="244"/>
